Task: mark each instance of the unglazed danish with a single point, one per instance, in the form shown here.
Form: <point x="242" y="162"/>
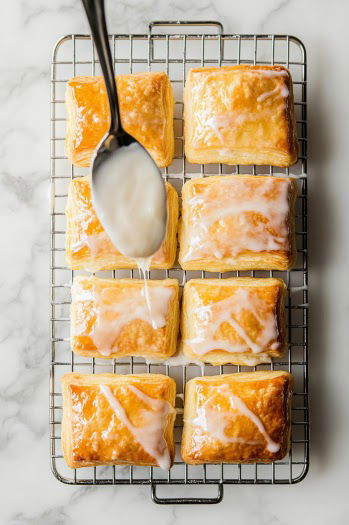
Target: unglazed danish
<point x="240" y="114"/>
<point x="119" y="317"/>
<point x="238" y="222"/>
<point x="146" y="109"/>
<point x="237" y="418"/>
<point x="111" y="419"/>
<point x="88" y="245"/>
<point x="239" y="320"/>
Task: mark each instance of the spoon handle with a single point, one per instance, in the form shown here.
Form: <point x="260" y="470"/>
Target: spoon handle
<point x="96" y="18"/>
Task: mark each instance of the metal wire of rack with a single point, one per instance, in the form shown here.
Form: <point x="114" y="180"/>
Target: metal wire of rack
<point x="191" y="44"/>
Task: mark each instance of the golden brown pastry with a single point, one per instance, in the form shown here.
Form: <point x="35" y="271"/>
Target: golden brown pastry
<point x="146" y="108"/>
<point x="112" y="317"/>
<point x="239" y="321"/>
<point x="88" y="246"/>
<point x="111" y="419"/>
<point x="238" y="222"/>
<point x="237" y="418"/>
<point x="240" y="115"/>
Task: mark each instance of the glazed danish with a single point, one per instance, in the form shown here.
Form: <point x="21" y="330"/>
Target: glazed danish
<point x="146" y="109"/>
<point x="240" y="115"/>
<point x="239" y="320"/>
<point x="237" y="418"/>
<point x="111" y="419"/>
<point x="113" y="318"/>
<point x="238" y="222"/>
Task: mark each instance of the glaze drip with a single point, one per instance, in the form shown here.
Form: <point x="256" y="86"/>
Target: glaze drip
<point x="151" y="434"/>
<point x="211" y="419"/>
<point x="208" y="319"/>
<point x="226" y="218"/>
<point x="143" y="268"/>
<point x="113" y="313"/>
<point x="266" y="93"/>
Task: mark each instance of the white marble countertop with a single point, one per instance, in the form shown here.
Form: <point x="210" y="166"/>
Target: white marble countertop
<point x="30" y="494"/>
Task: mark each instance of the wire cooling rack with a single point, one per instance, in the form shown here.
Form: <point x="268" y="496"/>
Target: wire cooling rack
<point x="175" y="47"/>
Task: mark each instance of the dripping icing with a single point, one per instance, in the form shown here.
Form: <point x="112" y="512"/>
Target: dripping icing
<point x="228" y="205"/>
<point x="213" y="421"/>
<point x="151" y="434"/>
<point x="281" y="91"/>
<point x="143" y="268"/>
<point x="209" y="318"/>
<point x="111" y="316"/>
<point x="232" y="119"/>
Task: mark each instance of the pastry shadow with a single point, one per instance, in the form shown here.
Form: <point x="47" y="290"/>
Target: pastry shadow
<point x="322" y="228"/>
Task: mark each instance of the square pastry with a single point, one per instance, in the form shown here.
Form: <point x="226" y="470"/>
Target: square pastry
<point x="146" y="109"/>
<point x="87" y="244"/>
<point x="240" y="115"/>
<point x="239" y="321"/>
<point x="111" y="419"/>
<point x="121" y="317"/>
<point x="238" y="222"/>
<point x="237" y="418"/>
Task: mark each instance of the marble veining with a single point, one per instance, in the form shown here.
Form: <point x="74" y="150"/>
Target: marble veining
<point x="30" y="494"/>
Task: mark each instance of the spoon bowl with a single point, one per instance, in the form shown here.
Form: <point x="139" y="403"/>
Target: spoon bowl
<point x="129" y="197"/>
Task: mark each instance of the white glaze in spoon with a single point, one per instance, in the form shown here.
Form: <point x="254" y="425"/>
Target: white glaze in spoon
<point x="129" y="197"/>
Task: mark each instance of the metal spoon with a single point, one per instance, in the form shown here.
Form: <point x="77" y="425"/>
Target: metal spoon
<point x="128" y="191"/>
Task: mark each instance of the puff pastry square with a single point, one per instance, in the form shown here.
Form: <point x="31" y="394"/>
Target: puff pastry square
<point x="112" y="317"/>
<point x="146" y="109"/>
<point x="237" y="418"/>
<point x="88" y="246"/>
<point x="239" y="321"/>
<point x="111" y="419"/>
<point x="238" y="222"/>
<point x="240" y="115"/>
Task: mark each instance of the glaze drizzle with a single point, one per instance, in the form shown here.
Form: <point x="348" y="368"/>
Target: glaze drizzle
<point x="151" y="434"/>
<point x="214" y="422"/>
<point x="208" y="319"/>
